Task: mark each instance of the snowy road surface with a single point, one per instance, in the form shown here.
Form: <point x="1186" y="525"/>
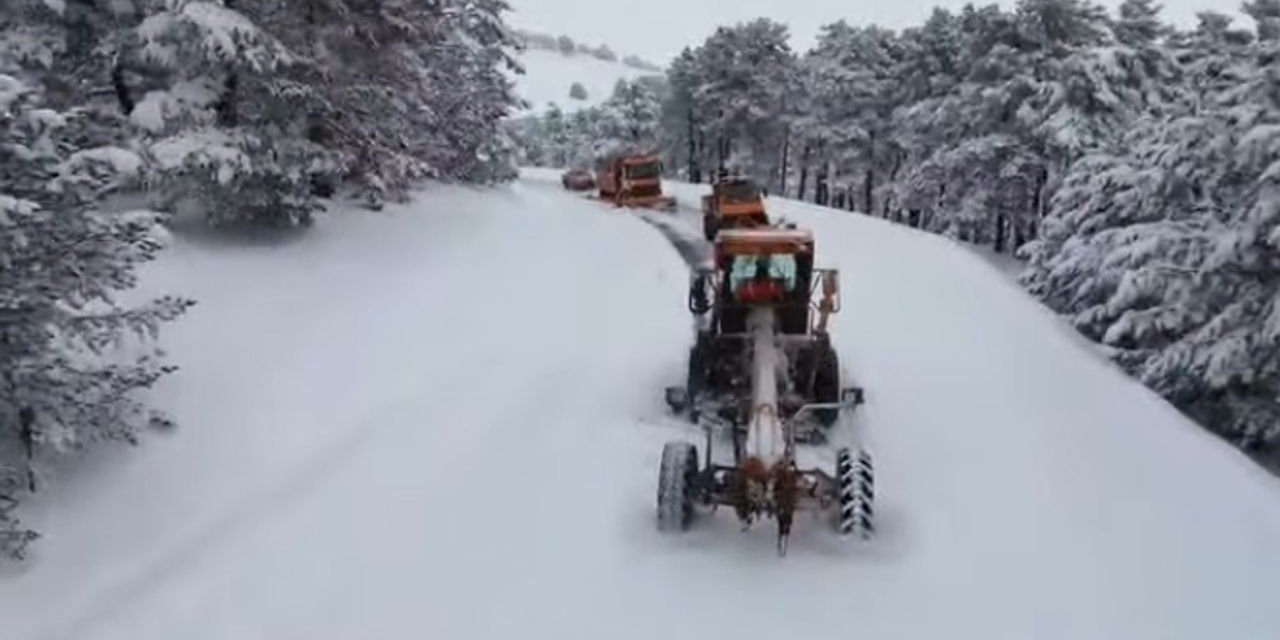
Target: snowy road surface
<point x="444" y="421"/>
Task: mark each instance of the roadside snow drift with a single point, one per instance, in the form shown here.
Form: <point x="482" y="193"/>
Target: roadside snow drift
<point x="444" y="421"/>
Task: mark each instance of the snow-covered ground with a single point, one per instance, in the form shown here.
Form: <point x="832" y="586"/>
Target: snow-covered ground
<point x="549" y="75"/>
<point x="444" y="421"/>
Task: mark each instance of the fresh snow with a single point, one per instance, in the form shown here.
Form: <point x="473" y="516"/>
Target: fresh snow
<point x="445" y="420"/>
<point x="124" y="162"/>
<point x="156" y="107"/>
<point x="549" y="75"/>
<point x="10" y="90"/>
<point x="208" y="146"/>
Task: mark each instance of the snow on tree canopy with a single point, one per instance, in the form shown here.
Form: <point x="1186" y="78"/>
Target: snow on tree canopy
<point x="219" y="34"/>
<point x="74" y="359"/>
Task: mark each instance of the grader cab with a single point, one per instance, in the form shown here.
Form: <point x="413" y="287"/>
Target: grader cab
<point x="771" y="269"/>
<point x="734" y="203"/>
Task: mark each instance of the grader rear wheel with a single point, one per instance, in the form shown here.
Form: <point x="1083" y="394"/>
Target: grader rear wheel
<point x="826" y="384"/>
<point x="676" y="478"/>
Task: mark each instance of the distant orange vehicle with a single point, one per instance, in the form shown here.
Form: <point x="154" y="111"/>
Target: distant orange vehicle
<point x="634" y="181"/>
<point x="734" y="203"/>
<point x="578" y="180"/>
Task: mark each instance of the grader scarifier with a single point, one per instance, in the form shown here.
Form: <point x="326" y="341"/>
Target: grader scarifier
<point x="763" y="366"/>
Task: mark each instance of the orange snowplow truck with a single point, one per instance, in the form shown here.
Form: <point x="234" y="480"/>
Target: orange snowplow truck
<point x="634" y="181"/>
<point x="734" y="203"/>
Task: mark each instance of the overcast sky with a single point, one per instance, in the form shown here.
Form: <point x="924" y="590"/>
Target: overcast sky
<point x="658" y="29"/>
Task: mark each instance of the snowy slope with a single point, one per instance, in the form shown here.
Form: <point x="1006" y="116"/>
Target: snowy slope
<point x="444" y="421"/>
<point x="549" y="75"/>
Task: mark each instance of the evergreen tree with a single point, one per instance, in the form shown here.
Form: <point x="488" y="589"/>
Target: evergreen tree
<point x="64" y="384"/>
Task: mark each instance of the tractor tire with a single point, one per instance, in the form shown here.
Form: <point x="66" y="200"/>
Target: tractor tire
<point x="710" y="227"/>
<point x="855" y="482"/>
<point x="676" y="486"/>
<point x="826" y="384"/>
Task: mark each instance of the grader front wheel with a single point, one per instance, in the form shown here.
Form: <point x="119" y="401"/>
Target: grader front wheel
<point x="855" y="479"/>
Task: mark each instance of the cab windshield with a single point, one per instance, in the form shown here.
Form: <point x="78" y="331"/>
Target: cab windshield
<point x="777" y="266"/>
<point x="643" y="171"/>
<point x="740" y="191"/>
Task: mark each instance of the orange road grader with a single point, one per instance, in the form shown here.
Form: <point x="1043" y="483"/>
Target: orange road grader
<point x="763" y="366"/>
<point x="633" y="181"/>
<point x="734" y="203"/>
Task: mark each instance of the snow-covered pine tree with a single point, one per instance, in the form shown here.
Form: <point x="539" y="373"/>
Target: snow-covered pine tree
<point x="1128" y="233"/>
<point x="555" y="136"/>
<point x="225" y="133"/>
<point x="742" y="72"/>
<point x="928" y="74"/>
<point x="464" y="66"/>
<point x="585" y="130"/>
<point x="1164" y="248"/>
<point x="634" y="111"/>
<point x="72" y="356"/>
<point x="681" y="120"/>
<point x="1227" y="372"/>
<point x="1139" y="24"/>
<point x="855" y="88"/>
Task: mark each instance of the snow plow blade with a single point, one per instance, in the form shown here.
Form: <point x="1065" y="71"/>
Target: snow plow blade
<point x="664" y="203"/>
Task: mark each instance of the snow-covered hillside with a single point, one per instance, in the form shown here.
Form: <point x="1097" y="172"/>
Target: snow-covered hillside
<point x="445" y="420"/>
<point x="549" y="75"/>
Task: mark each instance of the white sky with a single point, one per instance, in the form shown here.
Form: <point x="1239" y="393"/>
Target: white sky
<point x="658" y="29"/>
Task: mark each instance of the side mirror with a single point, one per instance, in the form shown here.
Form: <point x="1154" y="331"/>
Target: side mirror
<point x="852" y="396"/>
<point x="699" y="298"/>
<point x="831" y="283"/>
<point x="677" y="398"/>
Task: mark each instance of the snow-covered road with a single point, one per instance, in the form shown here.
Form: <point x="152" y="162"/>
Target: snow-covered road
<point x="444" y="421"/>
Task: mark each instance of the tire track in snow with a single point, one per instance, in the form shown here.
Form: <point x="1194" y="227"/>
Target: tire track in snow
<point x="692" y="247"/>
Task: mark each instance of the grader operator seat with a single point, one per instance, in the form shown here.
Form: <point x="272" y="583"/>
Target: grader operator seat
<point x="764" y="285"/>
<point x="763" y="267"/>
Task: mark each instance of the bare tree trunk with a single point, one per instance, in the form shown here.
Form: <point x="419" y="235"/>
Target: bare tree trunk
<point x="786" y="152"/>
<point x="695" y="174"/>
<point x="804" y="171"/>
<point x="869" y="179"/>
<point x="821" y="191"/>
<point x="890" y="202"/>
<point x="225" y="107"/>
<point x="123" y="97"/>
